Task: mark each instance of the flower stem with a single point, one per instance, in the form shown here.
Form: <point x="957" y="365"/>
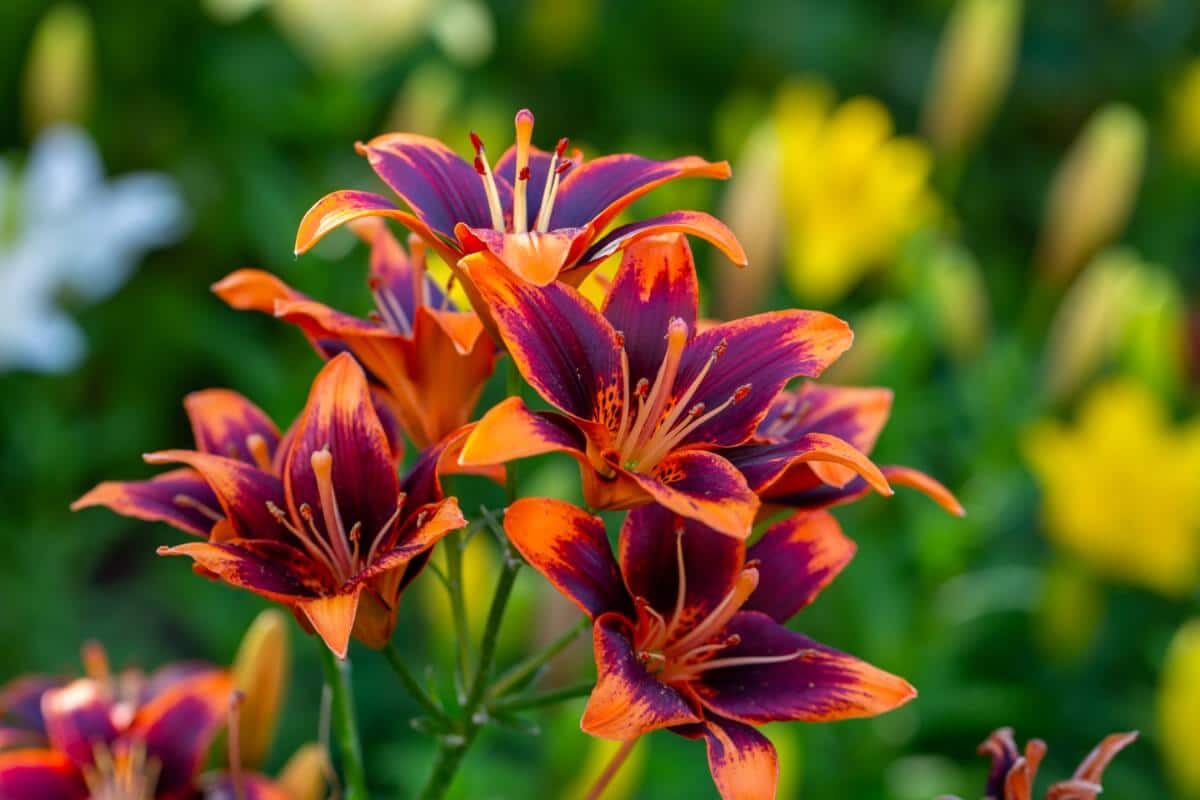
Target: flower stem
<point x="458" y="609"/>
<point x="337" y="677"/>
<point x="519" y="673"/>
<point x="474" y="714"/>
<point x="411" y="684"/>
<point x="611" y="770"/>
<point x="524" y="703"/>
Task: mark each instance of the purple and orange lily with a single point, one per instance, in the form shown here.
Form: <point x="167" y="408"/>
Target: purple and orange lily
<point x="1012" y="773"/>
<point x="333" y="533"/>
<point x="542" y="214"/>
<point x="791" y="462"/>
<point x="429" y="359"/>
<point x="111" y="736"/>
<point x="689" y="633"/>
<point x="647" y="404"/>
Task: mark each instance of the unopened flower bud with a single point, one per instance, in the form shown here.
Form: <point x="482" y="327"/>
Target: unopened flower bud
<point x="260" y="672"/>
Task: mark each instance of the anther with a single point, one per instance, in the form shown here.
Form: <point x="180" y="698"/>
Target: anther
<point x="642" y="389"/>
<point x="741" y="392"/>
<point x="524" y="176"/>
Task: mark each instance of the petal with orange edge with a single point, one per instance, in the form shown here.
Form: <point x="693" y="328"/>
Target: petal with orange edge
<point x="227" y="424"/>
<point x="705" y="487"/>
<point x="856" y="415"/>
<point x="767" y="467"/>
<point x="421" y="531"/>
<point x="338" y="208"/>
<point x="41" y="774"/>
<point x="692" y="223"/>
<point x="332" y="617"/>
<point x="741" y="366"/>
<point x="597" y="191"/>
<point x="178" y="726"/>
<point x="930" y="487"/>
<point x="509" y="430"/>
<point x="653" y="542"/>
<point x="628" y="701"/>
<point x="796" y="678"/>
<point x="245" y="492"/>
<point x="561" y="344"/>
<point x="570" y="548"/>
<point x="340" y="456"/>
<point x="273" y="570"/>
<point x="743" y="762"/>
<point x="1085" y="783"/>
<point x="180" y="497"/>
<point x="254" y="290"/>
<point x="797" y="558"/>
<point x="432" y="179"/>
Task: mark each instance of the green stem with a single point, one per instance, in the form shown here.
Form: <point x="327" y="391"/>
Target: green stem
<point x="411" y="684"/>
<point x="337" y="676"/>
<point x="458" y="609"/>
<point x="453" y="747"/>
<point x="510" y="704"/>
<point x="611" y="770"/>
<point x="519" y="673"/>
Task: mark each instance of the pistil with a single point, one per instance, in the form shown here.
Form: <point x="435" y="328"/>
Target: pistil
<point x="524" y="125"/>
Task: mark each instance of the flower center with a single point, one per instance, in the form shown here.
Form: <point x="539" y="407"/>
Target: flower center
<point x="520" y="215"/>
<point x="339" y="549"/>
<point x="388" y="308"/>
<point x="678" y="652"/>
<point x="127" y="774"/>
<point x="646" y="435"/>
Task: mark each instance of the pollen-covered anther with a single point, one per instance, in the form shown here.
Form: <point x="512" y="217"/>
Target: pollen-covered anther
<point x="489" y="182"/>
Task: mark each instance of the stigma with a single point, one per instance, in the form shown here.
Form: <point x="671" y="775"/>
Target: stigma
<point x="558" y="166"/>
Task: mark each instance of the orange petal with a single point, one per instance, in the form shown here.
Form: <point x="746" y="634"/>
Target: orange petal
<point x="332" y="617"/>
<point x="253" y="290"/>
<point x="510" y="431"/>
<point x="915" y="479"/>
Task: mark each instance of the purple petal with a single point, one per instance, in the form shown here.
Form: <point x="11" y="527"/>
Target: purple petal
<point x="160" y="499"/>
<point x="40" y="774"/>
<point x="692" y="223"/>
<point x="439" y="186"/>
<point x="655" y="283"/>
<point x="21" y="700"/>
<point x="652" y="539"/>
<point x="743" y="762"/>
<point x="78" y="716"/>
<point x="819" y="684"/>
<point x="570" y="548"/>
<point x="179" y="725"/>
<point x="755" y="358"/>
<point x="224" y="421"/>
<point x="705" y="487"/>
<point x="797" y="558"/>
<point x="244" y="492"/>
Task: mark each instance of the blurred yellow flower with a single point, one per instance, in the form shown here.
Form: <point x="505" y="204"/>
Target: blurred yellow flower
<point x="1179" y="710"/>
<point x="973" y="70"/>
<point x="59" y="73"/>
<point x="1119" y="487"/>
<point x="851" y="189"/>
<point x="1185" y="114"/>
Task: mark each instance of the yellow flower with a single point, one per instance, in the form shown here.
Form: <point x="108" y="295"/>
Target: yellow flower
<point x="1179" y="710"/>
<point x="1184" y="106"/>
<point x="851" y="189"/>
<point x="1119" y="487"/>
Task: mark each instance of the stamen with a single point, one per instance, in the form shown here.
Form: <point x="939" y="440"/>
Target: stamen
<point x="742" y="661"/>
<point x="681" y="587"/>
<point x="489" y="183"/>
<point x="551" y="187"/>
<point x="416" y="263"/>
<point x="259" y="451"/>
<point x="387" y="526"/>
<point x="524" y="125"/>
<point x="667" y="443"/>
<point x="743" y="586"/>
<point x="315" y="544"/>
<point x="657" y="394"/>
<point x="187" y="501"/>
<point x="389" y="306"/>
<point x="322" y="467"/>
<point x="235" y="749"/>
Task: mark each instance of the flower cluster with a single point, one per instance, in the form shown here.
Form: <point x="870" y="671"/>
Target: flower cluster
<point x="687" y="424"/>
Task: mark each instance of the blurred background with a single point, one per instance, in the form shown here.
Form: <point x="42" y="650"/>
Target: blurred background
<point x="1002" y="198"/>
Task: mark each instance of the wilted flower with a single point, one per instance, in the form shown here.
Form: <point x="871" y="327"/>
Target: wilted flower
<point x="430" y="359"/>
<point x="851" y="189"/>
<point x="1093" y="191"/>
<point x="689" y="634"/>
<point x="647" y="403"/>
<point x="114" y="736"/>
<point x="539" y="213"/>
<point x="1012" y="774"/>
<point x="973" y="70"/>
<point x="1119" y="487"/>
<point x="1179" y="709"/>
<point x="77" y="237"/>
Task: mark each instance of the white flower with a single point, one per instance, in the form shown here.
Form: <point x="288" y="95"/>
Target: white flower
<point x="67" y="234"/>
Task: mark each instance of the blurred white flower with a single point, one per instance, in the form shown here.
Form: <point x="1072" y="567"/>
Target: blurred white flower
<point x="67" y="234"/>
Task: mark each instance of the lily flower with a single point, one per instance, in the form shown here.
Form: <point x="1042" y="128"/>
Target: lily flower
<point x="224" y="423"/>
<point x="812" y="451"/>
<point x="646" y="402"/>
<point x="539" y="213"/>
<point x="1012" y="774"/>
<point x="428" y="358"/>
<point x="110" y="737"/>
<point x="689" y="634"/>
<point x="336" y="535"/>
